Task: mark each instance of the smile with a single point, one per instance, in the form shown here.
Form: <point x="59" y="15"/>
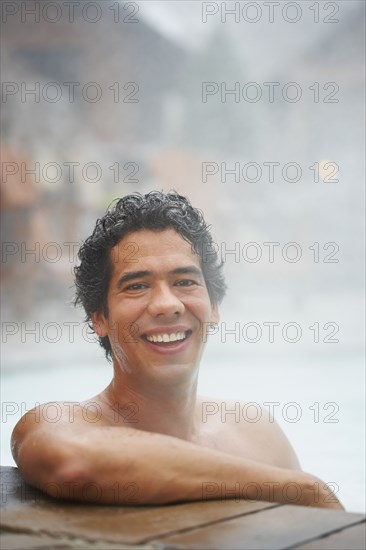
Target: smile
<point x="165" y="338"/>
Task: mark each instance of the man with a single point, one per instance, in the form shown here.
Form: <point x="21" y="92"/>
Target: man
<point x="150" y="283"/>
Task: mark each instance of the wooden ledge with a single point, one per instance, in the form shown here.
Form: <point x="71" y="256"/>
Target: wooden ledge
<point x="32" y="520"/>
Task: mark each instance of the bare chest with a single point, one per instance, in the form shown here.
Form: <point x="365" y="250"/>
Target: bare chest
<point x="213" y="437"/>
<point x="235" y="440"/>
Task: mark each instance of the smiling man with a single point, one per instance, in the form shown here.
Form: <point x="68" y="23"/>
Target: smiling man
<point x="150" y="283"/>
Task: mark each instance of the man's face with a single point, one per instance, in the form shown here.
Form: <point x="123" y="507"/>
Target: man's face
<point x="158" y="305"/>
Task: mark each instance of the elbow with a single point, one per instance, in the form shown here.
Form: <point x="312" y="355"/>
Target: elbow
<point x="61" y="473"/>
<point x="70" y="479"/>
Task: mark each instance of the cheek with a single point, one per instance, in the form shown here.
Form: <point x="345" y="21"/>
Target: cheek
<point x="200" y="306"/>
<point x="127" y="308"/>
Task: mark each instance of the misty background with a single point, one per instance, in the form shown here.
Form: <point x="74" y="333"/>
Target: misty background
<point x="148" y="121"/>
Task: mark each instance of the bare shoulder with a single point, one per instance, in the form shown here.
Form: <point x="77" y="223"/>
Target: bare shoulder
<point x="56" y="419"/>
<point x="50" y="436"/>
<point x="247" y="429"/>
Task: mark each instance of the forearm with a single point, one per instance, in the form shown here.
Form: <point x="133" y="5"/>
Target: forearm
<point x="147" y="468"/>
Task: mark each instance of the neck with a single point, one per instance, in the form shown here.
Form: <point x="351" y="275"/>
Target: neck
<point x="167" y="409"/>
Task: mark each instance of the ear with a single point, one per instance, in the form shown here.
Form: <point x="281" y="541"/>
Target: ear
<point x="215" y="314"/>
<point x="100" y="324"/>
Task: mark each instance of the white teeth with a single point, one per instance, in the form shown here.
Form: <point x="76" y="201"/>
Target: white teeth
<point x="166" y="337"/>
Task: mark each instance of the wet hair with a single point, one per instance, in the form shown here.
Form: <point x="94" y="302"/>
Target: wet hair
<point x="154" y="211"/>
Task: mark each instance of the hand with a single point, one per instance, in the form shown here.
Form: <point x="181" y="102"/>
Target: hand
<point x="316" y="493"/>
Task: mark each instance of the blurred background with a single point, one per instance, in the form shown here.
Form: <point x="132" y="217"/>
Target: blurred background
<point x="257" y="115"/>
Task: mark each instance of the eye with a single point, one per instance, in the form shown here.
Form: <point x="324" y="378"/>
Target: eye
<point x="136" y="286"/>
<point x="185" y="282"/>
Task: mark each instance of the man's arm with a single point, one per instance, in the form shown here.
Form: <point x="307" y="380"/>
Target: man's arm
<point x="117" y="465"/>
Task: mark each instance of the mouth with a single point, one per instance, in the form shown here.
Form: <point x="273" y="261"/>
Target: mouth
<point x="166" y="340"/>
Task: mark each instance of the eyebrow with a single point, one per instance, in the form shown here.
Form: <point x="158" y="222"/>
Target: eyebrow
<point x="132" y="275"/>
<point x="190" y="269"/>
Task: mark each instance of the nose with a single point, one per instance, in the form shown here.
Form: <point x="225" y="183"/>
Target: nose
<point x="164" y="302"/>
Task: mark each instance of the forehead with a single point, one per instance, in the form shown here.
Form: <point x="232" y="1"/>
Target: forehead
<point x="153" y="249"/>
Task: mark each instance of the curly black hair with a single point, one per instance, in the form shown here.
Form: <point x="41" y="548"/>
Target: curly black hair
<point x="155" y="211"/>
